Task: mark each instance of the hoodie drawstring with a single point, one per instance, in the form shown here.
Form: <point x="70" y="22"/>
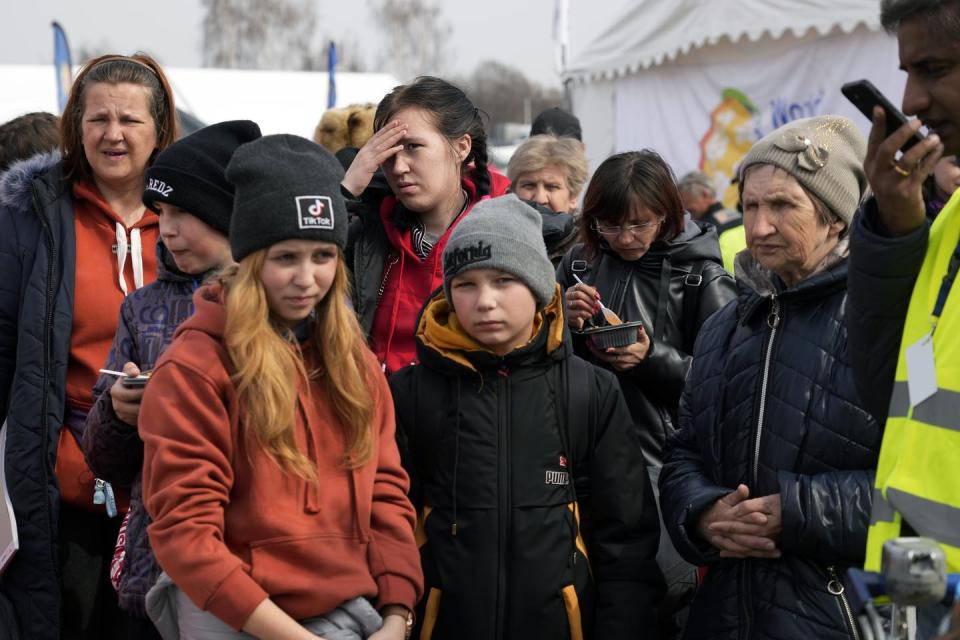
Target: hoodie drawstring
<point x="312" y="495"/>
<point x="136" y="257"/>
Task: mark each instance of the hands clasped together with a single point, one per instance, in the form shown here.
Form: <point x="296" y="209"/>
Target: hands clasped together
<point x="743" y="528"/>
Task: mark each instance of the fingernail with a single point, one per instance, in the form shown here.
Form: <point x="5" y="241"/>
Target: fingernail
<point x="934" y="138"/>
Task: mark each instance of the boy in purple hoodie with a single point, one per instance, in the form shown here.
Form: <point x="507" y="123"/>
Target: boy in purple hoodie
<point x="187" y="187"/>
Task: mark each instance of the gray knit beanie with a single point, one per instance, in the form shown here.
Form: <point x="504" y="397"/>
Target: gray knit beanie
<point x="287" y="187"/>
<point x="824" y="154"/>
<point x="506" y="234"/>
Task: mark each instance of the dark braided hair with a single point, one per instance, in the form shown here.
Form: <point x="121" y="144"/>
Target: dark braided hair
<point x="454" y="116"/>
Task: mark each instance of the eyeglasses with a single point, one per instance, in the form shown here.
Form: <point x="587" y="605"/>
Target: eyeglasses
<point x="612" y="231"/>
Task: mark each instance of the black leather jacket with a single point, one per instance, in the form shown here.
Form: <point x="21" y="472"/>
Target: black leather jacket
<point x="653" y="289"/>
<point x="771" y="403"/>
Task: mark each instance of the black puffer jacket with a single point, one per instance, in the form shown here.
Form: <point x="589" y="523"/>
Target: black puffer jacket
<point x="883" y="270"/>
<point x="662" y="290"/>
<point x="771" y="403"/>
<point x="490" y="446"/>
<point x="37" y="265"/>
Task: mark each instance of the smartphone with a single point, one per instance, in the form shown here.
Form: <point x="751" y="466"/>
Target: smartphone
<point x="865" y="97"/>
<point x="135" y="382"/>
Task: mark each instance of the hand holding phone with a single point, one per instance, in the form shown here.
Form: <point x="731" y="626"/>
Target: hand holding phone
<point x="866" y="97"/>
<point x="127" y="392"/>
<point x="134" y="382"/>
<point x="897" y="161"/>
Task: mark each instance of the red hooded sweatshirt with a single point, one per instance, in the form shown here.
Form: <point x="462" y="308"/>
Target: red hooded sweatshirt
<point x="231" y="528"/>
<point x="408" y="281"/>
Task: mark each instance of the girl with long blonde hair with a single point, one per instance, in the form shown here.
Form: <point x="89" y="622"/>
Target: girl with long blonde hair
<point x="270" y="466"/>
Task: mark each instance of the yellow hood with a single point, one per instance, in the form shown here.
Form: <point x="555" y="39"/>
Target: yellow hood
<point x="440" y="329"/>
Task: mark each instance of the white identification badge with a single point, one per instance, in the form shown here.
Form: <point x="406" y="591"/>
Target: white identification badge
<point x="921" y="370"/>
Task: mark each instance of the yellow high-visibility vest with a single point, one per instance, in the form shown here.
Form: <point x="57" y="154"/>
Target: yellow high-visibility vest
<point x="732" y="241"/>
<point x="918" y="474"/>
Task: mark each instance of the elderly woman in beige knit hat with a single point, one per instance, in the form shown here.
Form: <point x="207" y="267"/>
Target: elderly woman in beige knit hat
<point x="768" y="479"/>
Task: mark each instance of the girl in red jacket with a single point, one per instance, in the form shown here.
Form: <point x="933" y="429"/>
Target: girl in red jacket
<point x="418" y="176"/>
<point x="270" y="469"/>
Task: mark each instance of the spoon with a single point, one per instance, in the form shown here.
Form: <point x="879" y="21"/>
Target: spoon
<point x="608" y="314"/>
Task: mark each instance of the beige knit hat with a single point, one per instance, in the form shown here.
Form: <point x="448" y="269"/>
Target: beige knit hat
<point x="825" y="155"/>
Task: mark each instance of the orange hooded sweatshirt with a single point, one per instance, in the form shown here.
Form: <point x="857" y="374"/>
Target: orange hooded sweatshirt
<point x="100" y="234"/>
<point x="231" y="528"/>
<point x="98" y="293"/>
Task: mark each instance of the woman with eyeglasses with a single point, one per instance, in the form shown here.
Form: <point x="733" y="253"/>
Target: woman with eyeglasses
<point x="643" y="257"/>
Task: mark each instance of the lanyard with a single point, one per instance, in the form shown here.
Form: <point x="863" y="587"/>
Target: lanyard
<point x="947" y="284"/>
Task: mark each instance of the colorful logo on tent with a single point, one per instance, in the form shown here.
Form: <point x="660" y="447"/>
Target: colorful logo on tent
<point x="733" y="129"/>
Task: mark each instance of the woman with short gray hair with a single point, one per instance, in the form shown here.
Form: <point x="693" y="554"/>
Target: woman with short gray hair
<point x="550" y="171"/>
<point x="769" y="479"/>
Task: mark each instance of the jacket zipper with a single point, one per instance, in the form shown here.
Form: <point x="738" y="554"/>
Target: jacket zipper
<point x="47" y="346"/>
<point x="773" y="321"/>
<point x="746" y="600"/>
<point x="835" y="587"/>
<point x="504" y="434"/>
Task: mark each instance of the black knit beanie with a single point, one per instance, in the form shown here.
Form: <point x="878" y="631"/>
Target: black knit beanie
<point x="190" y="173"/>
<point x="558" y="122"/>
<point x="286" y="187"/>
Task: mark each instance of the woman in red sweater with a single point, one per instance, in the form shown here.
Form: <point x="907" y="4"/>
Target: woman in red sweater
<point x="270" y="467"/>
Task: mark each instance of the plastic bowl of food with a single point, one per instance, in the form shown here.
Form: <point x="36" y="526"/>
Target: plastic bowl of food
<point x="612" y="335"/>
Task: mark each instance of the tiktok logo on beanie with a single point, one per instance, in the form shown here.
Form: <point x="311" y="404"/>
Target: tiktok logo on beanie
<point x="315" y="212"/>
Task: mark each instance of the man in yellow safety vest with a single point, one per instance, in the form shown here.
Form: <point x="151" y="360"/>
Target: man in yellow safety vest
<point x="904" y="319"/>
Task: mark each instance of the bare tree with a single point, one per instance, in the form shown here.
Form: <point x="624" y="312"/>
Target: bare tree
<point x="350" y="54"/>
<point x="90" y="50"/>
<point x="259" y="34"/>
<point x="506" y="94"/>
<point x="414" y="37"/>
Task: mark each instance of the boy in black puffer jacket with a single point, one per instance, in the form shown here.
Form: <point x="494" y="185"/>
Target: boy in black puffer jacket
<point x="537" y="518"/>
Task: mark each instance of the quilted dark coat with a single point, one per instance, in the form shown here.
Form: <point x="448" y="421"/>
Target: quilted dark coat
<point x="37" y="262"/>
<point x="148" y="318"/>
<point x="771" y="403"/>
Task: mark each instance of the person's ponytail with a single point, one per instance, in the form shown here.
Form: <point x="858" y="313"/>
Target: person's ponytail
<point x="478" y="154"/>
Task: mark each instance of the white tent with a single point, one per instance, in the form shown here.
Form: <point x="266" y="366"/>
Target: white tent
<point x="279" y="101"/>
<point x="699" y="80"/>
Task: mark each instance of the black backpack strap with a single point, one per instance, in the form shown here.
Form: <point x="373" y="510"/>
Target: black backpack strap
<point x="577" y="422"/>
<point x="429" y="398"/>
<point x="693" y="284"/>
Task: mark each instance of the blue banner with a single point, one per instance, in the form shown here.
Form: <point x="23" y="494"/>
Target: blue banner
<point x="332" y="82"/>
<point x="62" y="64"/>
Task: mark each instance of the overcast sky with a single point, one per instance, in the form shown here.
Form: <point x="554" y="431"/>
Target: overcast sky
<point x="518" y="32"/>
